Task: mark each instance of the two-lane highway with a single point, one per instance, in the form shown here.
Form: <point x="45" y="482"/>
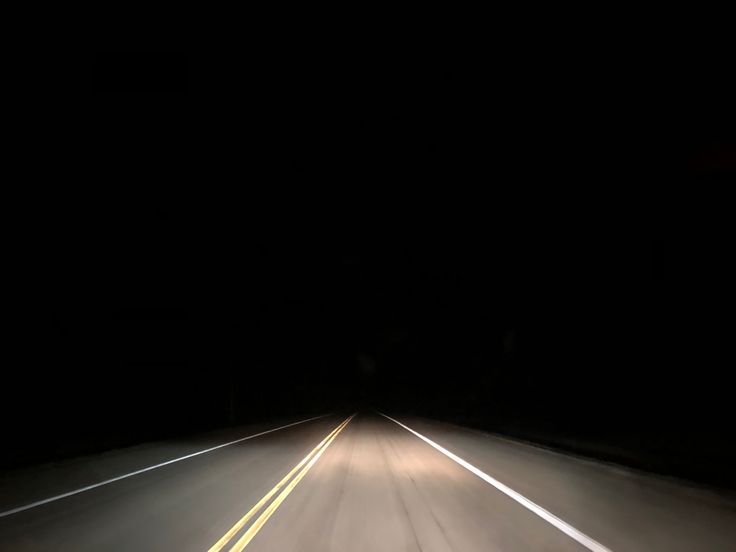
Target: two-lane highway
<point x="358" y="483"/>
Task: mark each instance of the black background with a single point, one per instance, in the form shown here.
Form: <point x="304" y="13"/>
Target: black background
<point x="529" y="240"/>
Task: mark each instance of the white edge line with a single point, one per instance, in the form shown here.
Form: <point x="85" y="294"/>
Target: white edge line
<point x="566" y="528"/>
<point x="149" y="468"/>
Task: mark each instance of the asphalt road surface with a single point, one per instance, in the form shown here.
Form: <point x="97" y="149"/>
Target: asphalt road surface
<point x="354" y="483"/>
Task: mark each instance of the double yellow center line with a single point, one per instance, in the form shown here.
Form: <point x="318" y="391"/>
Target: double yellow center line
<point x="302" y="468"/>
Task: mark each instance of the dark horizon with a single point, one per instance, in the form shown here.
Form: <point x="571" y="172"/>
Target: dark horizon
<point x="279" y="238"/>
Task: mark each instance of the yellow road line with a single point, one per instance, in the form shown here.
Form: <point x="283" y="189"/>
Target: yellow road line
<point x="263" y="518"/>
<point x="242" y="521"/>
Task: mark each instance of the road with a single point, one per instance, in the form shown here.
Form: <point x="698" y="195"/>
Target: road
<point x="360" y="483"/>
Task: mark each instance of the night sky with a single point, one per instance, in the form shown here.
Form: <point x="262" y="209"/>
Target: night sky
<point x="527" y="243"/>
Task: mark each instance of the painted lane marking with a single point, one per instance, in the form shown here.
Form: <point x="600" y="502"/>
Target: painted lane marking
<point x="263" y="518"/>
<point x="149" y="468"/>
<point x="255" y="509"/>
<point x="563" y="526"/>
